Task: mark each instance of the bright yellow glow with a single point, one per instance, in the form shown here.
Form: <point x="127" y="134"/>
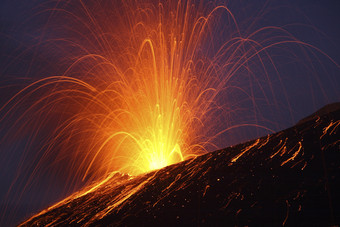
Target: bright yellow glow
<point x="143" y="98"/>
<point x="143" y="88"/>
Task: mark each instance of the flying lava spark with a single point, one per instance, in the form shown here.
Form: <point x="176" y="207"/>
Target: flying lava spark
<point x="144" y="96"/>
<point x="146" y="85"/>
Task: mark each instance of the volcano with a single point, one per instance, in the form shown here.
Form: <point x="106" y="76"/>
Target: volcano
<point x="287" y="178"/>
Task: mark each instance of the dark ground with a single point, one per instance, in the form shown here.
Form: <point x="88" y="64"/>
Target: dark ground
<point x="289" y="178"/>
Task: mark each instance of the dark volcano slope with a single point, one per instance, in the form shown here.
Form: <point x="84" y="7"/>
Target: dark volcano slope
<point x="288" y="178"/>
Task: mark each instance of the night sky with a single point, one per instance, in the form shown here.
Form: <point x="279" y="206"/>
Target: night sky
<point x="23" y="60"/>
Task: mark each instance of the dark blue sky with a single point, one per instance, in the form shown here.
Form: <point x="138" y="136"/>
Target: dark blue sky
<point x="316" y="22"/>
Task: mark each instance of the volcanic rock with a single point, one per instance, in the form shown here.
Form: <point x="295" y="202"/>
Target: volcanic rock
<point x="287" y="178"/>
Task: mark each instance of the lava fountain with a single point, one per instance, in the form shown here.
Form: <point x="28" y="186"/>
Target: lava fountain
<point x="140" y="93"/>
<point x="145" y="85"/>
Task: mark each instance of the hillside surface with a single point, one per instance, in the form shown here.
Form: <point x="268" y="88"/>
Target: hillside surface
<point x="287" y="178"/>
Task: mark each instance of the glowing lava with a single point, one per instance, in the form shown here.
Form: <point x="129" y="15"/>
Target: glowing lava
<point x="142" y="86"/>
<point x="139" y="94"/>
